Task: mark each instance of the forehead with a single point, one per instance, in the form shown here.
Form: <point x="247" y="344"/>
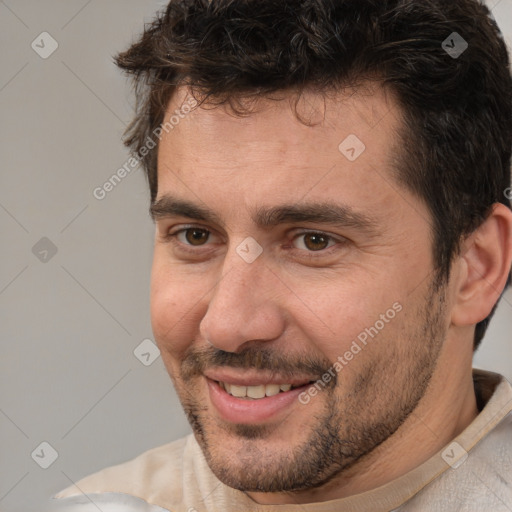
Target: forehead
<point x="271" y="118"/>
<point x="323" y="146"/>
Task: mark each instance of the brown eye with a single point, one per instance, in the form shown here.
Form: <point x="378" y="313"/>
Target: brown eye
<point x="316" y="241"/>
<point x="195" y="236"/>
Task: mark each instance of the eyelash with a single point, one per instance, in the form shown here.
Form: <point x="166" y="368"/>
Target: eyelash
<point x="172" y="237"/>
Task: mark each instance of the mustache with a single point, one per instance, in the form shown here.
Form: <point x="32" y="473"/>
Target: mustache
<point x="197" y="360"/>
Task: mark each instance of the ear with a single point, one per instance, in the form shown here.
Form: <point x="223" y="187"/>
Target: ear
<point x="485" y="262"/>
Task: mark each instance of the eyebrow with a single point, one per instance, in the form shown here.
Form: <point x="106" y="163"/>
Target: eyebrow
<point x="321" y="213"/>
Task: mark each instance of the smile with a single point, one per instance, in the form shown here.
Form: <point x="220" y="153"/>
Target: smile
<point x="255" y="392"/>
<point x="253" y="399"/>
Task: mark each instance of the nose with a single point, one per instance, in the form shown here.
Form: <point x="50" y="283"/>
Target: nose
<point x="243" y="307"/>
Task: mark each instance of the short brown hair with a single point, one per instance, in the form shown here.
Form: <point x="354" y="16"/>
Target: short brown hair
<point x="457" y="133"/>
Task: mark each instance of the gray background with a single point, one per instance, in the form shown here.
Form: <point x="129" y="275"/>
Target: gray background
<point x="70" y="321"/>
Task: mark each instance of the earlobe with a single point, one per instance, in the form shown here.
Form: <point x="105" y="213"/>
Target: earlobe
<point x="485" y="264"/>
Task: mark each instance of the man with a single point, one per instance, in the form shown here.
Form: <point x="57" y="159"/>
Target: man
<point x="333" y="233"/>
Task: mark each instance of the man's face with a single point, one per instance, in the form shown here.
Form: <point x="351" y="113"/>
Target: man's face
<point x="284" y="255"/>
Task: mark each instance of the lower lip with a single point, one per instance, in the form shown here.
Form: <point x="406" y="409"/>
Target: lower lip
<point x="250" y="412"/>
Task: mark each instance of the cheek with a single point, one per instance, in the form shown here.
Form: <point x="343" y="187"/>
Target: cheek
<point x="176" y="310"/>
<point x="341" y="311"/>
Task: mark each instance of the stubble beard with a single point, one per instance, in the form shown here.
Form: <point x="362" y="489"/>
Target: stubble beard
<point x="350" y="425"/>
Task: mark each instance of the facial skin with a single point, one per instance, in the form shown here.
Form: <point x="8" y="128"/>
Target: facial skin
<point x="287" y="316"/>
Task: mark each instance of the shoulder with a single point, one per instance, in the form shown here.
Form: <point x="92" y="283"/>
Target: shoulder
<point x="141" y="477"/>
<point x="482" y="481"/>
<point x="478" y="463"/>
<point x="171" y="478"/>
<point x="483" y="476"/>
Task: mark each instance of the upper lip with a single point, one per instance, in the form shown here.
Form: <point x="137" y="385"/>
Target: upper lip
<point x="251" y="377"/>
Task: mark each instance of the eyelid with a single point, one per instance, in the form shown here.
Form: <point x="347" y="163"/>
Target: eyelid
<point x="306" y="231"/>
<point x="172" y="234"/>
<point x="320" y="259"/>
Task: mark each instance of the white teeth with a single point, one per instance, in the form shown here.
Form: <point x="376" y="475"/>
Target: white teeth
<point x="238" y="391"/>
<point x="272" y="389"/>
<point x="254" y="392"/>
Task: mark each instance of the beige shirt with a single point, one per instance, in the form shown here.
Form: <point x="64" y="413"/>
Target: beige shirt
<point x="472" y="473"/>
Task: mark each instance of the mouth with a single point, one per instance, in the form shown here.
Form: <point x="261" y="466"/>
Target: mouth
<point x="251" y="399"/>
<point x="256" y="392"/>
